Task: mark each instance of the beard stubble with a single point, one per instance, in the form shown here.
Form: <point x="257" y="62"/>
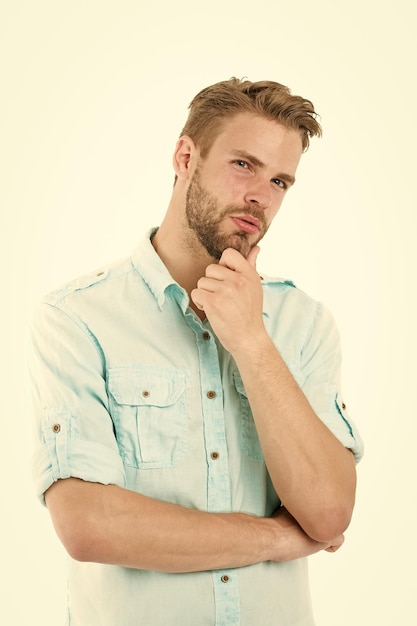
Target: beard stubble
<point x="204" y="220"/>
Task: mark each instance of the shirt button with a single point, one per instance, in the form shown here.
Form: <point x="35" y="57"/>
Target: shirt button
<point x="343" y="405"/>
<point x="146" y="394"/>
<point x="56" y="428"/>
<point x="211" y="394"/>
<point x="206" y="336"/>
<point x="214" y="455"/>
<point x="225" y="578"/>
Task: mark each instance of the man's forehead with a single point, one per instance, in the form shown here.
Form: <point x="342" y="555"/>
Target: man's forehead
<point x="259" y="137"/>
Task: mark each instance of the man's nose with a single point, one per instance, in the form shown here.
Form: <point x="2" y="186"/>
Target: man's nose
<point x="259" y="193"/>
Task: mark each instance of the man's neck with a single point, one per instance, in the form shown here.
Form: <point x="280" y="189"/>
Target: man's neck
<point x="185" y="265"/>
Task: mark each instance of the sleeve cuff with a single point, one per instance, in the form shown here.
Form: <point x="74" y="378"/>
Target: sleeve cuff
<point x="86" y="460"/>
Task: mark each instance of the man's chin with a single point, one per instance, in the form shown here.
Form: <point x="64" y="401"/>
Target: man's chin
<point x="241" y="243"/>
<point x="238" y="241"/>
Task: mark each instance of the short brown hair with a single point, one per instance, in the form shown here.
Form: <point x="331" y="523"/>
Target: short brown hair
<point x="213" y="105"/>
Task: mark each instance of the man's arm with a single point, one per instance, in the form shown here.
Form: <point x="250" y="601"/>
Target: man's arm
<point x="313" y="473"/>
<point x="112" y="525"/>
<point x="311" y="470"/>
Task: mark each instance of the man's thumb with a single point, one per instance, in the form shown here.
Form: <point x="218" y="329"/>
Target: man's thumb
<point x="252" y="256"/>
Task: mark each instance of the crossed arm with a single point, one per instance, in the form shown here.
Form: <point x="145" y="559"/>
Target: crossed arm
<point x="313" y="473"/>
<point x="109" y="524"/>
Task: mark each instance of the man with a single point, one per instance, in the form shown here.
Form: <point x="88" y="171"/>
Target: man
<point x="194" y="447"/>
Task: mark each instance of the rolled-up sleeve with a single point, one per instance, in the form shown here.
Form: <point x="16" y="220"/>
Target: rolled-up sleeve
<point x="321" y="364"/>
<point x="74" y="431"/>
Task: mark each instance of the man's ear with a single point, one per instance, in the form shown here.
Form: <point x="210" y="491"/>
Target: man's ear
<point x="184" y="157"/>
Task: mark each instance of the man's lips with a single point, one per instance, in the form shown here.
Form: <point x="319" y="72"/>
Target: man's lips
<point x="247" y="223"/>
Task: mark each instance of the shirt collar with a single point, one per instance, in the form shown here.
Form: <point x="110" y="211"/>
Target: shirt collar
<point x="271" y="280"/>
<point x="155" y="274"/>
<point x="153" y="271"/>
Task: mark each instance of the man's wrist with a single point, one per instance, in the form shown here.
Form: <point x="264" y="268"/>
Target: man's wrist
<point x="253" y="346"/>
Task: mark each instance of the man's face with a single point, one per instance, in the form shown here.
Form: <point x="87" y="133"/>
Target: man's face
<point x="236" y="191"/>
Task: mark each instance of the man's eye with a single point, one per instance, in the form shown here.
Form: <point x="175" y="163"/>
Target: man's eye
<point x="279" y="183"/>
<point x="241" y="163"/>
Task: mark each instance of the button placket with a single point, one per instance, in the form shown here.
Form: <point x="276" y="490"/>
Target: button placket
<point x="218" y="484"/>
<point x="226" y="587"/>
<point x="225" y="583"/>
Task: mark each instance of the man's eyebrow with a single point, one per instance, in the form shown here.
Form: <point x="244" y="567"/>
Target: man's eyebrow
<point x="287" y="177"/>
<point x="246" y="156"/>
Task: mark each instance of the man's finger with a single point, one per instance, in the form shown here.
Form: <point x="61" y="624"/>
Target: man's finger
<point x="195" y="298"/>
<point x="234" y="260"/>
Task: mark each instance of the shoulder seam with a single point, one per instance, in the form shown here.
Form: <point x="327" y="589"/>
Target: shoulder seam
<point x="96" y="277"/>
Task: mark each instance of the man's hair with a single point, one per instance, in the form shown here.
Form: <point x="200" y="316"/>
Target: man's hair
<point x="212" y="106"/>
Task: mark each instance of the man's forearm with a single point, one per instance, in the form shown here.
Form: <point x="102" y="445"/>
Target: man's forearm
<point x="312" y="472"/>
<point x="107" y="524"/>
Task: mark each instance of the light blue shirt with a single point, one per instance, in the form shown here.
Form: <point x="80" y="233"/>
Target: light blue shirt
<point x="132" y="389"/>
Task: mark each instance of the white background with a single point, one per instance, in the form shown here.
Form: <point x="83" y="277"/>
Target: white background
<point x="95" y="94"/>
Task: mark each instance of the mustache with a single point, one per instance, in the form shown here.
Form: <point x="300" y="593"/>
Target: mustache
<point x="246" y="210"/>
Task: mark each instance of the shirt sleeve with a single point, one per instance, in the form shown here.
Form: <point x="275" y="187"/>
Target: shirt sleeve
<point x="74" y="434"/>
<point x="321" y="363"/>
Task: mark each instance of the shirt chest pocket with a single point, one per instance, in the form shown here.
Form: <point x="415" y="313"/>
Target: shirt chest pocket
<point x="147" y="405"/>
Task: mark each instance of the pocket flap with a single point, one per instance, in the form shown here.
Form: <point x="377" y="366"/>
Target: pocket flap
<point x="146" y="385"/>
<point x="237" y="379"/>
